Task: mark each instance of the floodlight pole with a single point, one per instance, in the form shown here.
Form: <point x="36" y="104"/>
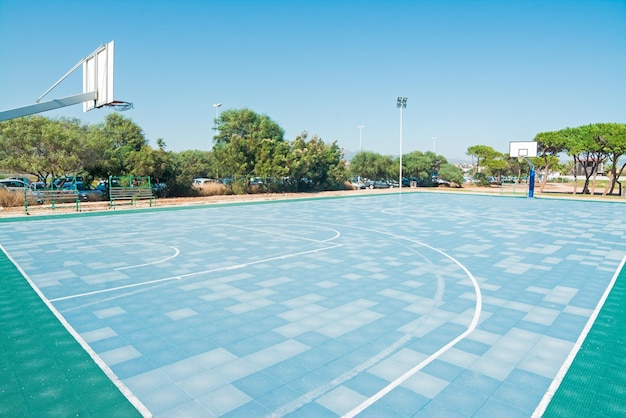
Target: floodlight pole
<point x="401" y="104"/>
<point x="360" y="128"/>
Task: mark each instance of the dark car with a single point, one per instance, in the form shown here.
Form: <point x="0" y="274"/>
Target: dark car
<point x="377" y="184"/>
<point x="85" y="192"/>
<point x="103" y="187"/>
<point x="159" y="189"/>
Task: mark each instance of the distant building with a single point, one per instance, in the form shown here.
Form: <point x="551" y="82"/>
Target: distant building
<point x="583" y="167"/>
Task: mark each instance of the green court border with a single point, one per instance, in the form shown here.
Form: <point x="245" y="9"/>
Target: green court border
<point x="44" y="371"/>
<point x="595" y="384"/>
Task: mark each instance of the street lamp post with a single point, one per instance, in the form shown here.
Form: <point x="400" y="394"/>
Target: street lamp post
<point x="360" y="127"/>
<point x="401" y="104"/>
<point x="434" y="139"/>
<point x="217" y="113"/>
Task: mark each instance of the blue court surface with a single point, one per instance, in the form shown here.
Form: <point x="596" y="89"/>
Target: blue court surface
<point x="405" y="305"/>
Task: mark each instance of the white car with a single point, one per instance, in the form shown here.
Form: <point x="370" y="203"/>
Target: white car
<point x="201" y="181"/>
<point x="14" y="184"/>
<point x="18" y="186"/>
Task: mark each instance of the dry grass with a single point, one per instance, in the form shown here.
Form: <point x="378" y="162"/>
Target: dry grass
<point x="347" y="185"/>
<point x="212" y="189"/>
<point x="11" y="199"/>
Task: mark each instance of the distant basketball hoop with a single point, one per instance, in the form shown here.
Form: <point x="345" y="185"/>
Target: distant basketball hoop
<point x="525" y="150"/>
<point x="119" y="105"/>
<point x="522" y="149"/>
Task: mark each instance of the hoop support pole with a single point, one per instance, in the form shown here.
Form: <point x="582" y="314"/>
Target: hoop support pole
<point x="45" y="106"/>
<point x="531" y="179"/>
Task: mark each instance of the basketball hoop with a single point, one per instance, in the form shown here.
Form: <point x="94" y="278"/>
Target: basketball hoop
<point x="119" y="105"/>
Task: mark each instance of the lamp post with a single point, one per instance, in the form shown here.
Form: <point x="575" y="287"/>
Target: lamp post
<point x="217" y="113"/>
<point x="434" y="139"/>
<point x="360" y="128"/>
<point x="401" y="104"/>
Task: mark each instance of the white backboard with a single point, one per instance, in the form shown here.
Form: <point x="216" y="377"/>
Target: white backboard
<point x="98" y="77"/>
<point x="522" y="149"/>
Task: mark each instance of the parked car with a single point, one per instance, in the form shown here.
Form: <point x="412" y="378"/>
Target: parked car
<point x="18" y="186"/>
<point x="38" y="185"/>
<point x="201" y="181"/>
<point x="377" y="184"/>
<point x="103" y="186"/>
<point x="358" y="184"/>
<point x="22" y="179"/>
<point x="85" y="192"/>
<point x="159" y="189"/>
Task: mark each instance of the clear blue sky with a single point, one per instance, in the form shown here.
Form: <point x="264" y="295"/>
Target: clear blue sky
<point x="475" y="72"/>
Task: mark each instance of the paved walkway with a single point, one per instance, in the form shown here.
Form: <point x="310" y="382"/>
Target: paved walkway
<point x="46" y="372"/>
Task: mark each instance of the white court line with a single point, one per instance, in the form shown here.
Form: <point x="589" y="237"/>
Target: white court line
<point x="103" y="366"/>
<point x="355" y="371"/>
<point x="184" y="276"/>
<point x="176" y="253"/>
<point x="314" y="394"/>
<point x="238" y="266"/>
<point x="477" y="311"/>
<point x="398" y="381"/>
<point x="280" y="234"/>
<point x="558" y="379"/>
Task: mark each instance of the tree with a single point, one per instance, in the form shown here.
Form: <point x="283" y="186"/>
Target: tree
<point x="613" y="140"/>
<point x="371" y="165"/>
<point x="497" y="166"/>
<point x="543" y="163"/>
<point x="416" y="165"/>
<point x="422" y="166"/>
<point x="315" y="165"/>
<point x="483" y="153"/>
<point x="246" y="124"/>
<point x="550" y="145"/>
<point x="451" y="173"/>
<point x="42" y="147"/>
<point x="243" y="136"/>
<point x="109" y="146"/>
<point x="585" y="145"/>
<point x="271" y="159"/>
<point x="196" y="163"/>
<point x="237" y="158"/>
<point x="150" y="162"/>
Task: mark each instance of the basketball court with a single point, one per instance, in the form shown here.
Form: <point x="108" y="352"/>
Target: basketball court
<point x="411" y="304"/>
<point x="400" y="305"/>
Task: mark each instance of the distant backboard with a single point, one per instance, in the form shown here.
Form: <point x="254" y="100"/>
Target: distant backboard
<point x="520" y="149"/>
<point x="98" y="76"/>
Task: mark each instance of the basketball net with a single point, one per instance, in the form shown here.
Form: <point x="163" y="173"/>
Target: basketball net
<point x="119" y="105"/>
